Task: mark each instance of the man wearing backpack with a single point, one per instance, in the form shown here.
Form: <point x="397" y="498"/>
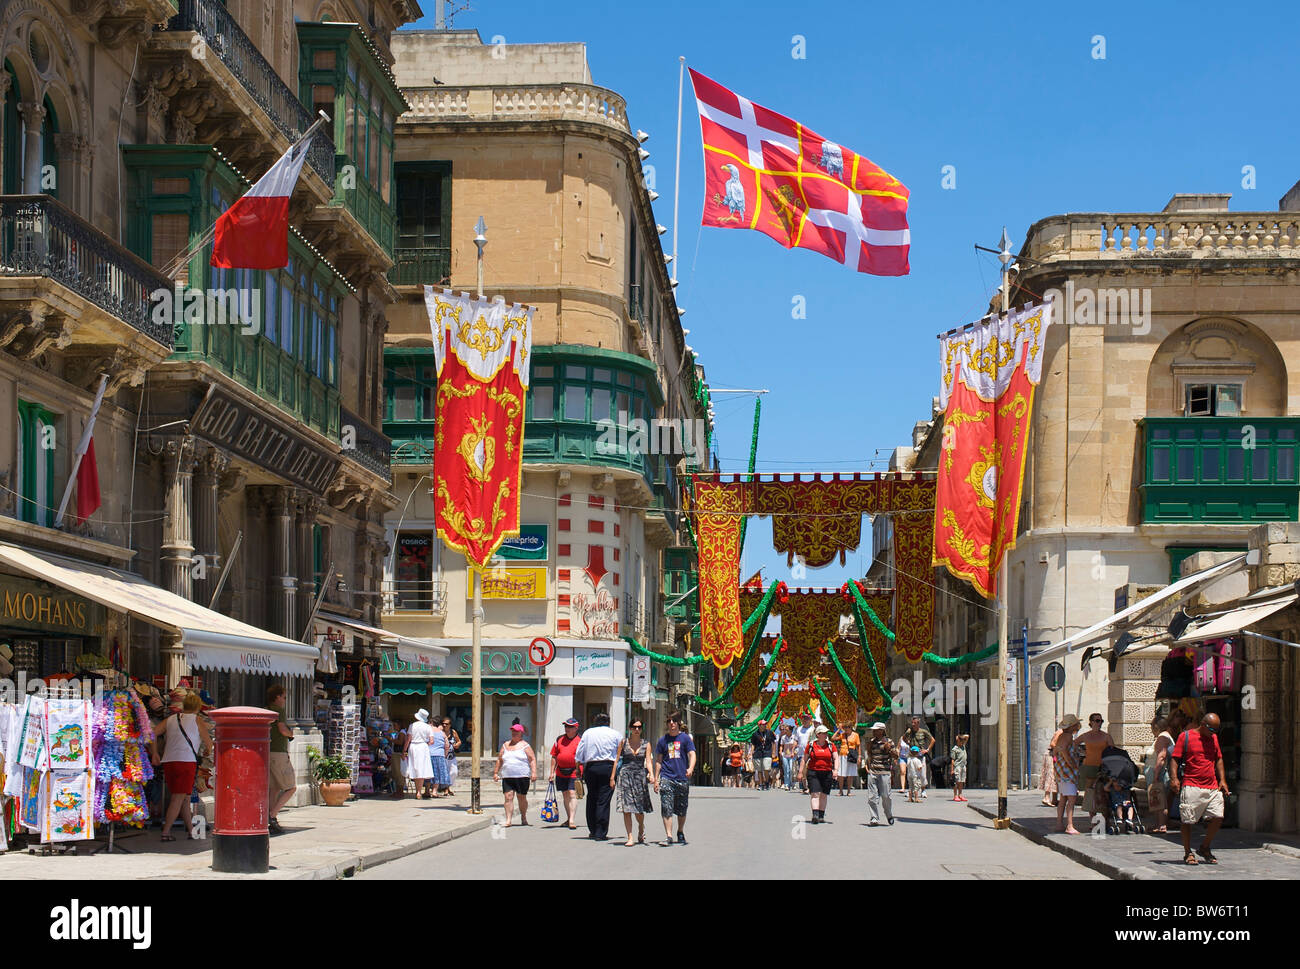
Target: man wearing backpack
<point x="1197" y="757"/>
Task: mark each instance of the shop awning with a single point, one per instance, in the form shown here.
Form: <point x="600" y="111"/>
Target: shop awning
<point x="456" y="685"/>
<point x="1247" y="614"/>
<point x="382" y="636"/>
<point x="1133" y="615"/>
<point x="212" y="641"/>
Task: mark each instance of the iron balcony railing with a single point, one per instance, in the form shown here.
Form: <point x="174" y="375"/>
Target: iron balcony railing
<point x="365" y="444"/>
<point x="213" y="22"/>
<point x="418" y="267"/>
<point x="41" y="237"/>
<point x="428" y="596"/>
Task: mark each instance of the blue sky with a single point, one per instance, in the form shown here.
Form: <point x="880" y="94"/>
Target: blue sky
<point x="1187" y="95"/>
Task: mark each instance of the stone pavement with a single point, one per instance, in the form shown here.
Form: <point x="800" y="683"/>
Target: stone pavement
<point x="1241" y="854"/>
<point x="318" y="842"/>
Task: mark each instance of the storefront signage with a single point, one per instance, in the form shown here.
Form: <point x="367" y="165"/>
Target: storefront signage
<point x="496" y="662"/>
<point x="253" y="435"/>
<point x="597" y="614"/>
<point x="594" y="663"/>
<point x="530" y="544"/>
<point x="513" y="583"/>
<point x="27" y="604"/>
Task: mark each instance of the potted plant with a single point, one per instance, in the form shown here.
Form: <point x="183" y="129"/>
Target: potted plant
<point x="332" y="775"/>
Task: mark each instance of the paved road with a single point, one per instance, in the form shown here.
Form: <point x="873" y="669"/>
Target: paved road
<point x="741" y="834"/>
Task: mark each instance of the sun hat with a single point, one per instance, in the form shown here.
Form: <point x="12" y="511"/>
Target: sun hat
<point x="877" y="726"/>
<point x="822" y="728"/>
<point x="422" y="715"/>
<point x="1068" y="721"/>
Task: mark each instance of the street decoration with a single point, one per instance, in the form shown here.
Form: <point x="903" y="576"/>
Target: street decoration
<point x="764" y="171"/>
<point x="809" y="617"/>
<point x="719" y="510"/>
<point x="482" y="352"/>
<point x="989" y="374"/>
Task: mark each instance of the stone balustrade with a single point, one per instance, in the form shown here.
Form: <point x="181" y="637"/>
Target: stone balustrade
<point x="1111" y="235"/>
<point x="539" y="102"/>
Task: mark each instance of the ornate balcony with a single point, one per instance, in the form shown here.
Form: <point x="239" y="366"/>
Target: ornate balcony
<point x="63" y="282"/>
<point x="1169" y="235"/>
<point x="369" y="447"/>
<point x="535" y="102"/>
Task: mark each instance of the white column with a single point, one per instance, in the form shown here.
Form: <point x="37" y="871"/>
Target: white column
<point x="33" y="116"/>
<point x="559" y="707"/>
<point x="618" y="708"/>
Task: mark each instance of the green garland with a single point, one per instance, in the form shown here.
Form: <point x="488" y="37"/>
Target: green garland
<point x="742" y="732"/>
<point x="764" y="609"/>
<point x="662" y="658"/>
<point x="764" y="606"/>
<point x="826" y="703"/>
<point x="859" y="604"/>
<point x="853" y="690"/>
<point x="961" y="660"/>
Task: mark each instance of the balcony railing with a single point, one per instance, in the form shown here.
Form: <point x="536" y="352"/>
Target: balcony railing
<point x="533" y="102"/>
<point x="1172" y="235"/>
<point x="415" y="596"/>
<point x="370" y="448"/>
<point x="1221" y="469"/>
<point x="210" y="20"/>
<point x="418" y="267"/>
<point x="41" y="237"/>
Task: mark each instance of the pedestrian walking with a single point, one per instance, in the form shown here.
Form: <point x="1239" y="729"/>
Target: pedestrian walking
<point x="395" y="763"/>
<point x="597" y="751"/>
<point x="1157" y="774"/>
<point x="917" y="736"/>
<point x="957" y="766"/>
<point x="848" y="744"/>
<point x="453" y="745"/>
<point x="904" y="752"/>
<point x="1204" y="785"/>
<point x="630" y="781"/>
<point x="184" y="735"/>
<point x="915" y="775"/>
<point x="674" y="764"/>
<point x="1048" y="781"/>
<point x="439" y="744"/>
<point x="419" y="762"/>
<point x="789" y="750"/>
<point x="564" y="769"/>
<point x="762" y="742"/>
<point x="732" y="766"/>
<point x="1067" y="773"/>
<point x="283" y="781"/>
<point x="817" y="770"/>
<point x="1094" y="741"/>
<point x="516" y="769"/>
<point x="881" y="756"/>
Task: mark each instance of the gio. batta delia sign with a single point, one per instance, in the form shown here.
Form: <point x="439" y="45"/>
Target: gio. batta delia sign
<point x="235" y="425"/>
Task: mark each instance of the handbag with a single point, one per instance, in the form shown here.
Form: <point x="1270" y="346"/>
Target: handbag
<point x="580" y="788"/>
<point x="550" y="810"/>
<point x="853" y="755"/>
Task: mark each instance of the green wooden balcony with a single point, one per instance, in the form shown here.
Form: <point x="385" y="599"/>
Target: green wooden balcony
<point x="418" y="267"/>
<point x="367" y="205"/>
<point x="1220" y="469"/>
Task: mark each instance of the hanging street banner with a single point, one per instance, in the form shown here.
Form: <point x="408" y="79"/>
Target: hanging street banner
<point x="990" y="371"/>
<point x="764" y="171"/>
<point x="482" y="352"/>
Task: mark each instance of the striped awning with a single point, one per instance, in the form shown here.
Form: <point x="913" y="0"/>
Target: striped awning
<point x="457" y="685"/>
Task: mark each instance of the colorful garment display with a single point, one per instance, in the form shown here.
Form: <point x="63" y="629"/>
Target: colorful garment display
<point x="67" y="807"/>
<point x="67" y="734"/>
<point x="120" y="735"/>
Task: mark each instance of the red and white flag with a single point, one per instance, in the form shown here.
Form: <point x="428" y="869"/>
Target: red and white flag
<point x="764" y="171"/>
<point x="254" y="232"/>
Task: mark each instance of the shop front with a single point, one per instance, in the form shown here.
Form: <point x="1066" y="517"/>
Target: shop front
<point x="48" y="633"/>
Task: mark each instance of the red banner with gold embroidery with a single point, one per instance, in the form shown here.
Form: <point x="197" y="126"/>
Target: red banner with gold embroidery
<point x="989" y="376"/>
<point x="719" y="510"/>
<point x="483" y="350"/>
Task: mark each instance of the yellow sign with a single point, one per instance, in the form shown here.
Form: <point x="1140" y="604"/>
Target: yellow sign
<point x="511" y="583"/>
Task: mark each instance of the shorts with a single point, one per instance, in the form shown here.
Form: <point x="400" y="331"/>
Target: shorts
<point x="179" y="776"/>
<point x="729" y="771"/>
<point x="959" y="774"/>
<point x="821" y="781"/>
<point x="1067" y="788"/>
<point x="566" y="783"/>
<point x="1157" y="797"/>
<point x="519" y="785"/>
<point x="674" y="797"/>
<point x="282" y="775"/>
<point x="763" y="763"/>
<point x="1200" y="803"/>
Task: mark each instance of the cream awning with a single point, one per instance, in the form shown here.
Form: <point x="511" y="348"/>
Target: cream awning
<point x="212" y="641"/>
<point x="1229" y="624"/>
<point x="381" y="636"/>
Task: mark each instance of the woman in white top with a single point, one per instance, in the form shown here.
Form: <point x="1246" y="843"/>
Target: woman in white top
<point x="183" y="737"/>
<point x="419" y="766"/>
<point x="516" y="767"/>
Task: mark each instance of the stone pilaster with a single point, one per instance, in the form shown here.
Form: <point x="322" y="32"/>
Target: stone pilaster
<point x="279" y="512"/>
<point x="307" y="506"/>
<point x="33" y="115"/>
<point x="177" y="546"/>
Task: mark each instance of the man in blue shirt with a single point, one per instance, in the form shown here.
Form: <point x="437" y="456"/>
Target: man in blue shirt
<point x="762" y="742"/>
<point x="674" y="765"/>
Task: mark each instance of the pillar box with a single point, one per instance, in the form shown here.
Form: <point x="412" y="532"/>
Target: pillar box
<point x="240" y="839"/>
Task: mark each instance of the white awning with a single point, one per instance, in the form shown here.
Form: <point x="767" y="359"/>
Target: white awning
<point x="1234" y="622"/>
<point x="1132" y="616"/>
<point x="212" y="641"/>
<point x="381" y="636"/>
<point x="422" y="653"/>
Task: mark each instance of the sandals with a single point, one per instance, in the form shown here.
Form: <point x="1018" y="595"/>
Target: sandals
<point x="1208" y="856"/>
<point x="1190" y="859"/>
<point x="168" y="837"/>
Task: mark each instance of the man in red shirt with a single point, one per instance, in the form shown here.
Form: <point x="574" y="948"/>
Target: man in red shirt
<point x="1204" y="784"/>
<point x="564" y="768"/>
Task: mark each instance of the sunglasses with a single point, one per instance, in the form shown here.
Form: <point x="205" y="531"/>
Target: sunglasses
<point x="635" y="726"/>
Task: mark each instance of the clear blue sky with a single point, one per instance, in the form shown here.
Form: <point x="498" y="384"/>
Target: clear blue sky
<point x="1187" y="95"/>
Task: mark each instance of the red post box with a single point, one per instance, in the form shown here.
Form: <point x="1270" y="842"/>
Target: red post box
<point x="240" y="839"/>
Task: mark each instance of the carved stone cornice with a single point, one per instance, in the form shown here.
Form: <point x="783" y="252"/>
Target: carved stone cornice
<point x="53" y="332"/>
<point x="16" y="324"/>
<point x="307" y="505"/>
<point x="83" y="367"/>
<point x="212" y="463"/>
<point x="33" y="114"/>
<point x="114" y="32"/>
<point x="343" y="492"/>
<point x="178" y="75"/>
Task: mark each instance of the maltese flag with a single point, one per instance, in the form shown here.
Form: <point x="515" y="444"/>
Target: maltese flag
<point x="764" y="171"/>
<point x="254" y="232"/>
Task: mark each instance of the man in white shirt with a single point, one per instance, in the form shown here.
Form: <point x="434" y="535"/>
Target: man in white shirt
<point x="597" y="751"/>
<point x="803" y="734"/>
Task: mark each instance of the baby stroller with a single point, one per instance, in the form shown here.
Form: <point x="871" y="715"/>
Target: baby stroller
<point x="1117" y="805"/>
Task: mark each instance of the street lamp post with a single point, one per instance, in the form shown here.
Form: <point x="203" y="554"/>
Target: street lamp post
<point x="1003" y="821"/>
<point x="476" y="647"/>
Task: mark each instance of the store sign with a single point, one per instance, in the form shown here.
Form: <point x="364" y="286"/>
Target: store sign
<point x="28" y="604"/>
<point x="597" y="615"/>
<point x="593" y="663"/>
<point x="529" y="544"/>
<point x="513" y="583"/>
<point x="268" y="443"/>
<point x="642" y="690"/>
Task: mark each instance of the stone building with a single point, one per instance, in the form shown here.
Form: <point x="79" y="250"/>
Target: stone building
<point x="521" y="137"/>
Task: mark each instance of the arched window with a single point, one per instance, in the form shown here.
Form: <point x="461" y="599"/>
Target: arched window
<point x="12" y="177"/>
<point x="49" y="153"/>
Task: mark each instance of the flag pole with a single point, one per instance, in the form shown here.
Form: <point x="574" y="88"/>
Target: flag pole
<point x="1003" y="821"/>
<point x="476" y="641"/>
<point x="176" y="264"/>
<point x="86" y="434"/>
<point x="677" y="173"/>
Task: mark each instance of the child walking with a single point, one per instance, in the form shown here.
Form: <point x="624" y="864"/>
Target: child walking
<point x="915" y="775"/>
<point x="957" y="765"/>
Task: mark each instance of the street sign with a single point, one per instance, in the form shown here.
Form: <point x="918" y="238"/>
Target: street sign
<point x="1054" y="676"/>
<point x="541" y="651"/>
<point x="642" y="691"/>
<point x="1013" y="681"/>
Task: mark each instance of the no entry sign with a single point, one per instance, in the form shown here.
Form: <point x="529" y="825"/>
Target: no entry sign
<point x="541" y="651"/>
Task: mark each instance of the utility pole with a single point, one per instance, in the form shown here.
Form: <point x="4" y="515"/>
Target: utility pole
<point x="476" y="649"/>
<point x="1003" y="821"/>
